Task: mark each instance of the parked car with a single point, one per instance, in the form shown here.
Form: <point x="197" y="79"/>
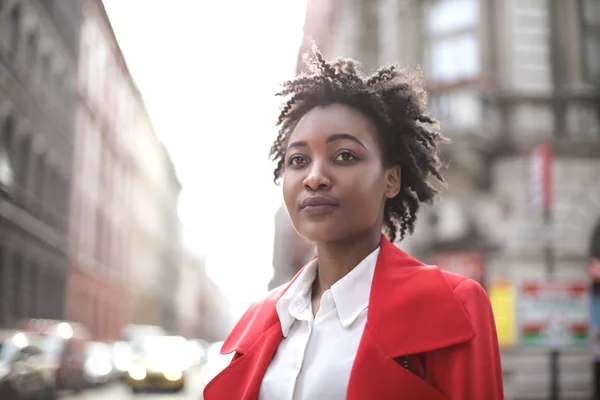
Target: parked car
<point x="121" y="358"/>
<point x="135" y="332"/>
<point x="99" y="367"/>
<point x="65" y="343"/>
<point x="158" y="363"/>
<point x="26" y="372"/>
<point x="197" y="352"/>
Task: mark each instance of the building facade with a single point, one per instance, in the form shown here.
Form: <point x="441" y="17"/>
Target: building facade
<point x="155" y="253"/>
<point x="188" y="295"/>
<point x="101" y="173"/>
<point x="213" y="310"/>
<point x="171" y="243"/>
<point x="202" y="309"/>
<point x="146" y="257"/>
<point x="503" y="77"/>
<point x="39" y="46"/>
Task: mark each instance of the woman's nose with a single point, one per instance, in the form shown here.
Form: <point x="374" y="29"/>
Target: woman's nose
<point x="317" y="178"/>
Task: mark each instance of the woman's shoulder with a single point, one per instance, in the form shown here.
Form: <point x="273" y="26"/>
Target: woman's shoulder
<point x="467" y="291"/>
<point x="258" y="317"/>
<point x="457" y="281"/>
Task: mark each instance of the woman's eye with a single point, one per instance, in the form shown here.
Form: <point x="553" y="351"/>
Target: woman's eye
<point x="345" y="156"/>
<point x="295" y="160"/>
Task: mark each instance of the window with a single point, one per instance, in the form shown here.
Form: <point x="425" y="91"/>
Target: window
<point x="15" y="28"/>
<point x="17" y="286"/>
<point x="7" y="136"/>
<point x="3" y="283"/>
<point x="39" y="177"/>
<point x="454" y="58"/>
<point x="23" y="161"/>
<point x="453" y="50"/>
<point x="61" y="83"/>
<point x="447" y="16"/>
<point x="61" y="193"/>
<point x="49" y="193"/>
<point x="33" y="303"/>
<point x="31" y="54"/>
<point x="591" y="39"/>
<point x="45" y="72"/>
<point x="27" y="353"/>
<point x="90" y="176"/>
<point x="98" y="67"/>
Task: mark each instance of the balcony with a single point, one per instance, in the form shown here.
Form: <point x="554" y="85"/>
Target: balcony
<point x="459" y="110"/>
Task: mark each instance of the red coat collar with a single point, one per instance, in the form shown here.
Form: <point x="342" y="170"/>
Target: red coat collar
<point x="401" y="285"/>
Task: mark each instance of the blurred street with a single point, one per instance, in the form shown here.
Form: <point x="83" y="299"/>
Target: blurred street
<point x="119" y="391"/>
<point x="136" y="197"/>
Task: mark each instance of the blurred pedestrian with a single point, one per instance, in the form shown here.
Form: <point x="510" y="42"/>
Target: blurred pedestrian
<point x="362" y="320"/>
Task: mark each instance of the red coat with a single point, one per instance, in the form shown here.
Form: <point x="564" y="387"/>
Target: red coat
<point x="443" y="322"/>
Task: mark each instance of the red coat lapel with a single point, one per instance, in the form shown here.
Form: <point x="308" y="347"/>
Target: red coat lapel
<point x="412" y="310"/>
<point x="241" y="379"/>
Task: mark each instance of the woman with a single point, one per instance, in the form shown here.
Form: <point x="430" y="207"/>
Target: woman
<point x="363" y="320"/>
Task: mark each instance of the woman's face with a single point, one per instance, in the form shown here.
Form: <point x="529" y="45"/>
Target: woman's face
<point x="334" y="182"/>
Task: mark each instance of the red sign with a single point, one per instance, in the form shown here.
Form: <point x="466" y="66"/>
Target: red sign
<point x="541" y="177"/>
<point x="467" y="263"/>
<point x="595" y="269"/>
<point x="572" y="289"/>
<point x="554" y="313"/>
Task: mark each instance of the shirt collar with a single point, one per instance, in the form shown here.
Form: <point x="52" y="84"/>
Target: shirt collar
<point x="350" y="294"/>
<point x="296" y="298"/>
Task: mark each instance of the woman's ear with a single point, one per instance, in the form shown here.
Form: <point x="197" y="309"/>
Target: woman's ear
<point x="393" y="178"/>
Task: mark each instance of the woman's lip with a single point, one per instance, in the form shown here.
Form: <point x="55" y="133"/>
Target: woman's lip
<point x="319" y="210"/>
<point x="317" y="201"/>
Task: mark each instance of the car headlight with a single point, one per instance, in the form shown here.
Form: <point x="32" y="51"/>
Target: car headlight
<point x="137" y="372"/>
<point x="173" y="375"/>
<point x="97" y="368"/>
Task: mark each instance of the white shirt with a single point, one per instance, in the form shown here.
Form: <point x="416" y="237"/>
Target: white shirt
<point x="315" y="356"/>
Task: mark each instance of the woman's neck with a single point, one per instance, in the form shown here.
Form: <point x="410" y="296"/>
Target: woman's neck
<point x="335" y="260"/>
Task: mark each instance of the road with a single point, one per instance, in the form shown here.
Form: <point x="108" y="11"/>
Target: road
<point x="120" y="391"/>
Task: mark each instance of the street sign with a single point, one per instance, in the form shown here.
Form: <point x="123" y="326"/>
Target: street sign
<point x="540" y="177"/>
<point x="554" y="313"/>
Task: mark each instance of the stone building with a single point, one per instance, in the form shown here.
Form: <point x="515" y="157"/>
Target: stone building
<point x="202" y="309"/>
<point x="104" y="152"/>
<point x="153" y="265"/>
<point x="171" y="246"/>
<point x="125" y="231"/>
<point x="39" y="46"/>
<point x="503" y="77"/>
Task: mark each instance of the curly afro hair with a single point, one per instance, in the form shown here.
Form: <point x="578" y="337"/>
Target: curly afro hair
<point x="395" y="100"/>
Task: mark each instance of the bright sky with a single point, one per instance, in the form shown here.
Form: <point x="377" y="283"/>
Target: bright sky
<point x="208" y="71"/>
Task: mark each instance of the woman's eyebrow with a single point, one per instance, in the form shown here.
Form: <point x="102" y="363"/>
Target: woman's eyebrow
<point x="344" y="136"/>
<point x="331" y="138"/>
<point x="299" y="143"/>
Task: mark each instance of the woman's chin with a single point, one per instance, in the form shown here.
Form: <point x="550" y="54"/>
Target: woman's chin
<point x="322" y="234"/>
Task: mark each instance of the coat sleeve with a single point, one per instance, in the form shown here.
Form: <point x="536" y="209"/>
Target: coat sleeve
<point x="470" y="370"/>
